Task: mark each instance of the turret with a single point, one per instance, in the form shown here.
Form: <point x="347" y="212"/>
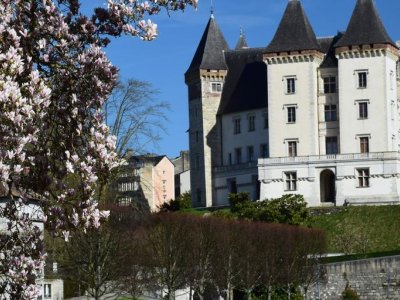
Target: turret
<point x="205" y="79"/>
<point x="367" y="59"/>
<point x="293" y="57"/>
<point x="241" y="43"/>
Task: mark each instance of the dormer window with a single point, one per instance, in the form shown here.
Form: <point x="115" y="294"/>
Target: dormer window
<point x="216" y="87"/>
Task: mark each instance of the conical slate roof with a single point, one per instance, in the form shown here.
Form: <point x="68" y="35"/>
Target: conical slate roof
<point x="294" y="32"/>
<point x="210" y="52"/>
<point x="242" y="43"/>
<point x="365" y="27"/>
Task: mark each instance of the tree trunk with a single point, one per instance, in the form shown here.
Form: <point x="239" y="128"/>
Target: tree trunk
<point x="269" y="290"/>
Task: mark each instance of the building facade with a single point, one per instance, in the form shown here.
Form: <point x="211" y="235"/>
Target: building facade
<point x="306" y="115"/>
<point x="145" y="182"/>
<point x="182" y="173"/>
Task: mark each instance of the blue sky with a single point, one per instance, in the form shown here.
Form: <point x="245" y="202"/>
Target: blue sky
<point x="164" y="61"/>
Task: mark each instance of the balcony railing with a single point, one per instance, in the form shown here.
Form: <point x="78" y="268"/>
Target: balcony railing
<point x="243" y="166"/>
<point x="330" y="158"/>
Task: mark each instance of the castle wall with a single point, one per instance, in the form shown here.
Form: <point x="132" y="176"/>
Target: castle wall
<point x="372" y="279"/>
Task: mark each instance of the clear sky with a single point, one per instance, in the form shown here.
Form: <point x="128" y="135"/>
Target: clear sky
<point x="164" y="61"/>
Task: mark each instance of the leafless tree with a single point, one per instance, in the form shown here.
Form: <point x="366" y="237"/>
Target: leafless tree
<point x="134" y="115"/>
<point x="165" y="251"/>
<point x="91" y="260"/>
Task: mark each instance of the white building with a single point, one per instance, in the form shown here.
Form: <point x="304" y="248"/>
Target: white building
<point x="306" y="115"/>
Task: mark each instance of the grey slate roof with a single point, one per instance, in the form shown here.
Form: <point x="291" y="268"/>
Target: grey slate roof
<point x="294" y="31"/>
<point x="210" y="52"/>
<point x="328" y="47"/>
<point x="245" y="86"/>
<point x="365" y="27"/>
<point x="242" y="43"/>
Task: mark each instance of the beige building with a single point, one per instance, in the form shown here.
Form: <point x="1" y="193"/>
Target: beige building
<point x="145" y="182"/>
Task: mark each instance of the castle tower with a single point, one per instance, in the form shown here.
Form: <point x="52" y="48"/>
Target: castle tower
<point x="242" y="42"/>
<point x="293" y="58"/>
<point x="205" y="78"/>
<point x="368" y="106"/>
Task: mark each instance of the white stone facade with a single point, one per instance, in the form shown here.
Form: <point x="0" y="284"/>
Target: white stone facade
<point x="330" y="131"/>
<point x="360" y="171"/>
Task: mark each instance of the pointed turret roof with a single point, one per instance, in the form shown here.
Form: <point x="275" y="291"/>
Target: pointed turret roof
<point x="365" y="27"/>
<point x="242" y="43"/>
<point x="210" y="52"/>
<point x="294" y="32"/>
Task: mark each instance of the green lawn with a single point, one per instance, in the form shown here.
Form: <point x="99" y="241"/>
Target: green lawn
<point x="363" y="229"/>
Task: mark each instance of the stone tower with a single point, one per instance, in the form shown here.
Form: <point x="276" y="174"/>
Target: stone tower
<point x="205" y="79"/>
<point x="368" y="104"/>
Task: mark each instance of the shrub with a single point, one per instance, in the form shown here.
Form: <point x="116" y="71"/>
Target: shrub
<point x="182" y="202"/>
<point x="349" y="294"/>
<point x="289" y="209"/>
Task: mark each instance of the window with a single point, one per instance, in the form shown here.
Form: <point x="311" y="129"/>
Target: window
<point x="290" y="85"/>
<point x="126" y="186"/>
<point x="197" y="163"/>
<point x="230" y="159"/>
<point x="292" y="148"/>
<point x="252" y="123"/>
<point x="236" y="126"/>
<point x="291" y="181"/>
<point x="198" y="196"/>
<point x="331" y="145"/>
<point x="216" y="87"/>
<point x="362" y="79"/>
<point x="265" y="116"/>
<point x="125" y="201"/>
<point x="250" y="153"/>
<point x="364" y="144"/>
<point x="238" y="155"/>
<point x="291" y="114"/>
<point x="363" y="177"/>
<point x="330" y="113"/>
<point x="363" y="110"/>
<point x="47" y="290"/>
<point x="197" y="136"/>
<point x="264" y="150"/>
<point x="232" y="186"/>
<point x="392" y="80"/>
<point x="329" y="85"/>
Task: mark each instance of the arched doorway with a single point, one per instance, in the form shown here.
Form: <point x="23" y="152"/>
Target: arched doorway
<point x="328" y="186"/>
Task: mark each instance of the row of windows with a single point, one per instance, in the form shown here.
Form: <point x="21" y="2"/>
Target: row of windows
<point x="330" y="83"/>
<point x="238" y="157"/>
<point x="331" y="145"/>
<point x="330" y="112"/>
<point x="128" y="186"/>
<point x="134" y="172"/>
<point x="251" y="123"/>
<point x="363" y="181"/>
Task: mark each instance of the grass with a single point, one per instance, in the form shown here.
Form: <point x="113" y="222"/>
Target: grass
<point x="376" y="229"/>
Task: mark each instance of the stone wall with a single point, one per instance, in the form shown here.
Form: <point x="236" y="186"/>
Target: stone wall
<point x="372" y="279"/>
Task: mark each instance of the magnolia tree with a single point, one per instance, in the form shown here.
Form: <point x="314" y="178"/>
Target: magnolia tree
<point x="54" y="144"/>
